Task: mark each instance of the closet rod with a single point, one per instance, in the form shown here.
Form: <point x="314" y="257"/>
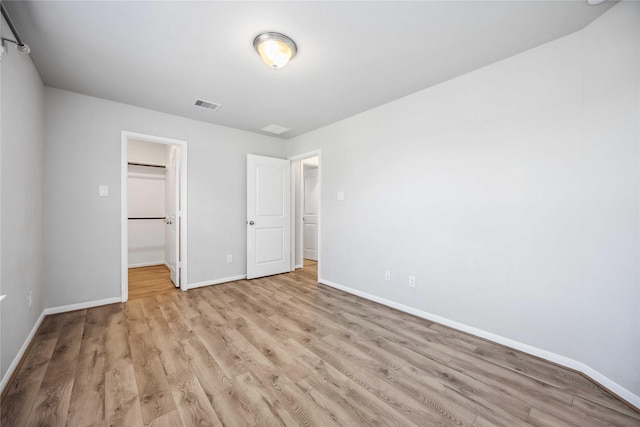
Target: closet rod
<point x="23" y="47"/>
<point x="149" y="217"/>
<point x="147" y="164"/>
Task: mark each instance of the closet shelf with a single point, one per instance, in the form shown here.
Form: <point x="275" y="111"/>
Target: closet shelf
<point x="149" y="165"/>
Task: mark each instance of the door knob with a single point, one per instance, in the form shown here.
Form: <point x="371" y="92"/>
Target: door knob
<point x="251" y="222"/>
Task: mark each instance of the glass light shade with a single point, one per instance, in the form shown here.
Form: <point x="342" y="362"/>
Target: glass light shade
<point x="275" y="49"/>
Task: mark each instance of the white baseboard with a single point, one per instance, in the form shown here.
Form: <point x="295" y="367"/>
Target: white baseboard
<point x="298" y="266"/>
<point x="147" y="264"/>
<point x="80" y="306"/>
<point x="216" y="281"/>
<point x="538" y="352"/>
<point x="23" y="349"/>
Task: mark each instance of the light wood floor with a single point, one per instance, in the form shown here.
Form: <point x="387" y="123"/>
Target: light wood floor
<point x="310" y="269"/>
<point x="283" y="350"/>
<point x="150" y="281"/>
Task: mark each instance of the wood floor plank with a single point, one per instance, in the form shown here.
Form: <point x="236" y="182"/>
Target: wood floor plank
<point x="170" y="419"/>
<point x="540" y="418"/>
<point x="286" y="351"/>
<point x="367" y="406"/>
<point x="122" y="403"/>
<point x="228" y="404"/>
<point x="555" y="402"/>
<point x="261" y="404"/>
<point x="155" y="394"/>
<point x="432" y="411"/>
<point x="118" y="352"/>
<point x="331" y="402"/>
<point x="193" y="406"/>
<point x="270" y="348"/>
<point x="432" y="350"/>
<point x="52" y="402"/>
<point x="181" y="300"/>
<point x="21" y="394"/>
<point x="303" y="410"/>
<point x="150" y="281"/>
<point x="442" y="377"/>
<point x="459" y="391"/>
<point x="88" y="393"/>
<point x="508" y="379"/>
<point x="136" y="321"/>
<point x="605" y="415"/>
<point x="87" y="396"/>
<point x="177" y="323"/>
<point x="543" y="371"/>
<point x="483" y="422"/>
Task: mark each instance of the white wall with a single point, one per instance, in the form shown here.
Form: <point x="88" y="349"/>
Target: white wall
<point x="146" y="198"/>
<point x="147" y="152"/>
<point x="21" y="177"/>
<point x="82" y="243"/>
<point x="512" y="193"/>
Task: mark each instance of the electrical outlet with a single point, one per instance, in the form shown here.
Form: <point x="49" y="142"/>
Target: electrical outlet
<point x="229" y="259"/>
<point x="30" y="299"/>
<point x="387" y="275"/>
<point x="412" y="281"/>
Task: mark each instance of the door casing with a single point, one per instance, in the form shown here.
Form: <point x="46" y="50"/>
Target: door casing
<point x="296" y="223"/>
<point x="172" y="218"/>
<point x="309" y="219"/>
<point x="182" y="214"/>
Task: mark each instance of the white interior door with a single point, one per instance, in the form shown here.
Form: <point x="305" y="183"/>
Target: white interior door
<point x="268" y="216"/>
<point x="173" y="217"/>
<point x="310" y="212"/>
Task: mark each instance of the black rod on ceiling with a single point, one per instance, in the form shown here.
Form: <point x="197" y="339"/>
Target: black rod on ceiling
<point x="18" y="41"/>
<point x="150" y="165"/>
<point x="148" y="217"/>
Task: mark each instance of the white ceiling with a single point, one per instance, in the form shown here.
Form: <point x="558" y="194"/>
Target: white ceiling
<point x="352" y="56"/>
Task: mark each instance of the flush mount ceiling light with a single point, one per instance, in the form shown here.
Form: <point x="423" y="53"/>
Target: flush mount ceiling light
<point x="275" y="49"/>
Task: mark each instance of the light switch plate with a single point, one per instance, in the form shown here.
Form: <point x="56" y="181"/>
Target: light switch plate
<point x="103" y="191"/>
<point x="340" y="195"/>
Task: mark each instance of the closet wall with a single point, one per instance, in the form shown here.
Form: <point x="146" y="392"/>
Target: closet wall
<point x="146" y="198"/>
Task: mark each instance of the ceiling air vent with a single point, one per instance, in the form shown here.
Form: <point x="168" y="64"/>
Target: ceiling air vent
<point x="206" y="105"/>
<point x="275" y="129"/>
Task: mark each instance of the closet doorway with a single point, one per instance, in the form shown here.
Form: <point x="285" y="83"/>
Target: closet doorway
<point x="306" y="205"/>
<point x="153" y="216"/>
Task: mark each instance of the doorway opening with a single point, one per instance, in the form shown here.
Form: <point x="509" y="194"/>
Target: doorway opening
<point x="153" y="216"/>
<point x="306" y="175"/>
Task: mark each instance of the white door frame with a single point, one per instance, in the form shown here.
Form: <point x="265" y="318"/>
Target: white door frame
<point x="308" y="169"/>
<point x="296" y="223"/>
<point x="124" y="231"/>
